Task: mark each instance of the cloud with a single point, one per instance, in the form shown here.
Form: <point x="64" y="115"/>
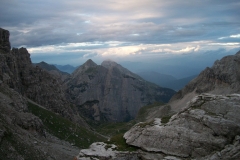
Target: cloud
<point x="146" y="30"/>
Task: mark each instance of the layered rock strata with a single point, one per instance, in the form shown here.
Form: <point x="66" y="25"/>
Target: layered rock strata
<point x="208" y="124"/>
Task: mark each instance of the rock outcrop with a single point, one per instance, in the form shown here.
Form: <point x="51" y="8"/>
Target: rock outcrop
<point x="222" y="78"/>
<point x="18" y="72"/>
<point x="4" y="40"/>
<point x="109" y="92"/>
<point x="207" y="125"/>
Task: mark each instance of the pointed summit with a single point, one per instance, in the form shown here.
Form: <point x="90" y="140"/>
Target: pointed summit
<point x="89" y="63"/>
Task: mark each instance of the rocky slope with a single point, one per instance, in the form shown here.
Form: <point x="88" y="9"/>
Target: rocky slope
<point x="222" y="78"/>
<point x="53" y="70"/>
<point x="32" y="81"/>
<point x="23" y="135"/>
<point x="29" y="130"/>
<point x="208" y="125"/>
<point x="109" y="92"/>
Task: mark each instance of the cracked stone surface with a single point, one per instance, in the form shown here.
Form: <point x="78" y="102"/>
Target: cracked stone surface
<point x="207" y="124"/>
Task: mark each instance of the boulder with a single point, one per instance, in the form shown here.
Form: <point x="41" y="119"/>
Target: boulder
<point x="207" y="124"/>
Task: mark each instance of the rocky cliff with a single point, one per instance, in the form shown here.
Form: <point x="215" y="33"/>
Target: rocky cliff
<point x="109" y="92"/>
<point x="4" y="40"/>
<point x="18" y="72"/>
<point x="36" y="120"/>
<point x="222" y="78"/>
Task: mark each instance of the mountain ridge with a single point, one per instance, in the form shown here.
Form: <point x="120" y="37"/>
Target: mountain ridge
<point x="103" y="90"/>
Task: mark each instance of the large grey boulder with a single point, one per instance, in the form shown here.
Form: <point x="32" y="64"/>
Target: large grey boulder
<point x="206" y="125"/>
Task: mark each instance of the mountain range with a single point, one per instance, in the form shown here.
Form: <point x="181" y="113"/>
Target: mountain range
<point x="165" y="80"/>
<point x="48" y="114"/>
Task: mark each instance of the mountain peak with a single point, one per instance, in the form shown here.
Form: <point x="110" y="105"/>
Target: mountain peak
<point x="109" y="63"/>
<point x="89" y="63"/>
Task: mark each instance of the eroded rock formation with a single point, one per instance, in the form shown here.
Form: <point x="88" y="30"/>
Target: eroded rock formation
<point x="208" y="124"/>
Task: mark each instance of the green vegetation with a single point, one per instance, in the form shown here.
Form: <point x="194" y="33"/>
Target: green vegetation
<point x="198" y="105"/>
<point x="143" y="112"/>
<point x="144" y="124"/>
<point x="121" y="144"/>
<point x="165" y="119"/>
<point x="65" y="129"/>
<point x="114" y="128"/>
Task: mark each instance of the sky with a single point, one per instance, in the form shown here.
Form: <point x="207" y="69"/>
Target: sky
<point x="176" y="37"/>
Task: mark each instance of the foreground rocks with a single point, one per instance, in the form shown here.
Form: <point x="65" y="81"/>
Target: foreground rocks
<point x="103" y="151"/>
<point x="209" y="125"/>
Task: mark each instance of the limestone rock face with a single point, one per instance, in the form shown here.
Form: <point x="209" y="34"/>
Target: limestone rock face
<point x="4" y="40"/>
<point x="222" y="78"/>
<point x="109" y="92"/>
<point x="208" y="124"/>
<point x="33" y="82"/>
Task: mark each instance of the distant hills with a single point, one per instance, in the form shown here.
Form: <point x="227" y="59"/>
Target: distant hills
<point x="65" y="68"/>
<point x="165" y="80"/>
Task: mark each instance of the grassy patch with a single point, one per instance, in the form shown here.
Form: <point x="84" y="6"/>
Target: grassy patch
<point x="165" y="119"/>
<point x="143" y="112"/>
<point x="65" y="129"/>
<point x="198" y="105"/>
<point x="114" y="128"/>
<point x="121" y="144"/>
<point x="144" y="124"/>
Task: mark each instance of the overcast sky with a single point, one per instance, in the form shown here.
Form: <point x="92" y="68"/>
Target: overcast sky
<point x="174" y="33"/>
